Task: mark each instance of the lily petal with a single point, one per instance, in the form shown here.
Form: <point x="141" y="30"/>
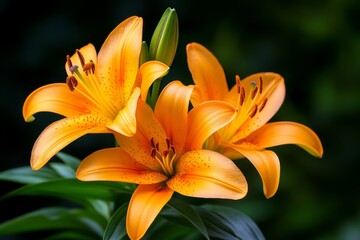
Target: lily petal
<point x="145" y="204"/>
<point x="208" y="174"/>
<point x="61" y="133"/>
<point x="118" y="59"/>
<point x="207" y="72"/>
<point x="149" y="72"/>
<point x="55" y="98"/>
<point x="138" y="146"/>
<point x="125" y="121"/>
<point x="171" y="110"/>
<point x="279" y="133"/>
<point x="207" y="118"/>
<point x="114" y="164"/>
<point x="268" y="165"/>
<point x="196" y="97"/>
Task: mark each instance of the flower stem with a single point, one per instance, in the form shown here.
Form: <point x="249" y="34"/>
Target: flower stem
<point x="154" y="93"/>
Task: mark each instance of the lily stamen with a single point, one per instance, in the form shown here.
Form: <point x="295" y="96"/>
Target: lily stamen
<point x="262" y="105"/>
<point x="81" y="57"/>
<point x="240" y="90"/>
<point x="152" y="143"/>
<point x="71" y="82"/>
<point x="253" y="111"/>
<point x="164" y="158"/>
<point x="89" y="68"/>
<point x="68" y="61"/>
<point x="242" y="96"/>
<point x="254" y="92"/>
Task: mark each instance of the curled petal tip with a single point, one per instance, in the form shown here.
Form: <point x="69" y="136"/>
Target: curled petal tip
<point x="35" y="165"/>
<point x="29" y="119"/>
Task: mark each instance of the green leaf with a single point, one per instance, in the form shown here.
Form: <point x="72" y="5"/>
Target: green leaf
<point x="65" y="171"/>
<point x="69" y="160"/>
<point x="162" y="228"/>
<point x="227" y="223"/>
<point x="70" y="235"/>
<point x="73" y="189"/>
<point x="103" y="208"/>
<point x="54" y="218"/>
<point x="25" y="175"/>
<point x="190" y="214"/>
<point x="116" y="228"/>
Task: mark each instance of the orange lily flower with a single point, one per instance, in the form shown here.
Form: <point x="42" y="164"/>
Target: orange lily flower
<point x="257" y="99"/>
<point x="100" y="94"/>
<point x="166" y="156"/>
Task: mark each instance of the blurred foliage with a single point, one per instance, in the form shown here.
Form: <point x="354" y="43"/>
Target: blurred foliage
<point x="315" y="45"/>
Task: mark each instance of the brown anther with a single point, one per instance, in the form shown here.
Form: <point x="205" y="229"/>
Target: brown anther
<point x="165" y="153"/>
<point x="89" y="67"/>
<point x="262" y="105"/>
<point x="152" y="142"/>
<point x="261" y="85"/>
<point x="173" y="149"/>
<point x="168" y="143"/>
<point x="254" y="92"/>
<point x="68" y="61"/>
<point x="71" y="82"/>
<point x="253" y="111"/>
<point x="238" y="85"/>
<point x="81" y="57"/>
<point x="157" y="146"/>
<point x="242" y="96"/>
<point x="153" y="152"/>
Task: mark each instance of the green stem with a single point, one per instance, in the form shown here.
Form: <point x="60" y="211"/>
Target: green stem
<point x="154" y="93"/>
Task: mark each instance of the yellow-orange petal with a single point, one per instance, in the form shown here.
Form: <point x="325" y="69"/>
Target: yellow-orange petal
<point x="114" y="164"/>
<point x="280" y="133"/>
<point x="208" y="174"/>
<point x="149" y="72"/>
<point x="118" y="59"/>
<point x="196" y="97"/>
<point x="139" y="146"/>
<point x="88" y="52"/>
<point x="171" y="110"/>
<point x="56" y="98"/>
<point x="125" y="121"/>
<point x="205" y="119"/>
<point x="61" y="133"/>
<point x="267" y="164"/>
<point x="207" y="72"/>
<point x="145" y="204"/>
<point x="229" y="151"/>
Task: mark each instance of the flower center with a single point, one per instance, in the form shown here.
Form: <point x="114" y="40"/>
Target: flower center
<point x="249" y="104"/>
<point x="86" y="83"/>
<point x="164" y="157"/>
<point x="252" y="104"/>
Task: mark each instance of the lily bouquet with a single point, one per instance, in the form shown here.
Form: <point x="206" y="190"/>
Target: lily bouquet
<point x="171" y="143"/>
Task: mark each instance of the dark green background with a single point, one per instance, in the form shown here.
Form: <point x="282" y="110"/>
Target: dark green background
<point x="314" y="45"/>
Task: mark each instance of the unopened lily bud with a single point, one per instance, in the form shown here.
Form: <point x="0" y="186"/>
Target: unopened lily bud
<point x="144" y="54"/>
<point x="164" y="41"/>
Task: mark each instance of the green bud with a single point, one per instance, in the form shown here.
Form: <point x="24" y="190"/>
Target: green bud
<point x="164" y="41"/>
<point x="144" y="54"/>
